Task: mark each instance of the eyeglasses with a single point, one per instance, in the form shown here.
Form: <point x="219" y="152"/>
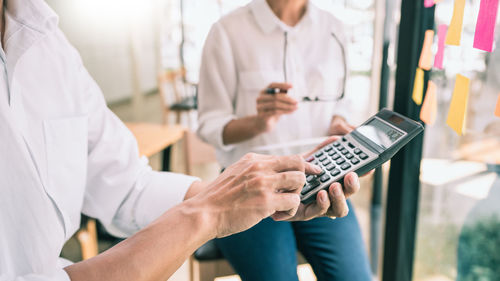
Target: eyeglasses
<point x="320" y="98"/>
<point x="323" y="98"/>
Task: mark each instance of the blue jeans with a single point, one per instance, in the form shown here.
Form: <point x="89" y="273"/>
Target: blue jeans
<point x="267" y="252"/>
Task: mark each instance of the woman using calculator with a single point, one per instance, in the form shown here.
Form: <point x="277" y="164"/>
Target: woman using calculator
<point x="274" y="72"/>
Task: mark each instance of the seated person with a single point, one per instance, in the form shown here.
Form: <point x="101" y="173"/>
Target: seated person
<point x="296" y="50"/>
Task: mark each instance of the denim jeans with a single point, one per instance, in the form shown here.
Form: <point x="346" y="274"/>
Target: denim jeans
<point x="267" y="252"/>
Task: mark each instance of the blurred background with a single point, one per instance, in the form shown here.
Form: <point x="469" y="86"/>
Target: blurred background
<point x="145" y="56"/>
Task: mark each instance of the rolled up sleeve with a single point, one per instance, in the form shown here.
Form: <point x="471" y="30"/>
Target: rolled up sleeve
<point x="122" y="190"/>
<point x="217" y="88"/>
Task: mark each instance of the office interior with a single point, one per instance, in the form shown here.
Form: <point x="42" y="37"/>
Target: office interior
<point x="430" y="214"/>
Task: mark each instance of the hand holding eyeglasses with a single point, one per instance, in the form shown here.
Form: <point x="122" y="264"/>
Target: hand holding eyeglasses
<point x="272" y="103"/>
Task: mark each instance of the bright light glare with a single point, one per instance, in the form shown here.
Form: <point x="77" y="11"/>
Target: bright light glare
<point x="112" y="11"/>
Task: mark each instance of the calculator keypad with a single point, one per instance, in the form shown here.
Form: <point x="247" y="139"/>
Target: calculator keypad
<point x="336" y="160"/>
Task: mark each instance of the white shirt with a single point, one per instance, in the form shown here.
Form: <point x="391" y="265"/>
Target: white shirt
<point x="244" y="53"/>
<point x="63" y="152"/>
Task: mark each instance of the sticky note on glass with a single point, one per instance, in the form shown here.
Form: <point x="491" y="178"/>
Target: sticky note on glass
<point x="425" y="61"/>
<point x="418" y="87"/>
<point x="438" y="59"/>
<point x="497" y="109"/>
<point x="428" y="111"/>
<point x="485" y="27"/>
<point x="458" y="106"/>
<point x="455" y="30"/>
<point x="428" y="3"/>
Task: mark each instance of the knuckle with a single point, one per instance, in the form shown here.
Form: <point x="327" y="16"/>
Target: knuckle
<point x="343" y="212"/>
<point x="249" y="156"/>
<point x="259" y="182"/>
<point x="301" y="178"/>
<point x="300" y="162"/>
<point x="258" y="166"/>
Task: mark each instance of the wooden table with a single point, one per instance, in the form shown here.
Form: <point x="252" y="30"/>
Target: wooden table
<point x="154" y="138"/>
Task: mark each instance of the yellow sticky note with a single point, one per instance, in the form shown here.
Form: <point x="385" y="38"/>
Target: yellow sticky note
<point x="425" y="61"/>
<point x="458" y="106"/>
<point x="418" y="87"/>
<point x="497" y="110"/>
<point x="455" y="29"/>
<point x="429" y="107"/>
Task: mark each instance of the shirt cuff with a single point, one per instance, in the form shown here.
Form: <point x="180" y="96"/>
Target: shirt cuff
<point x="164" y="191"/>
<point x="61" y="275"/>
<point x="212" y="132"/>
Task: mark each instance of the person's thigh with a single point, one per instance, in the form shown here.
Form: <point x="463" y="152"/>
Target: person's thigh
<point x="334" y="248"/>
<point x="266" y="252"/>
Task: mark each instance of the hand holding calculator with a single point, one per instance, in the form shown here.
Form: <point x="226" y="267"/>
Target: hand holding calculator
<point x="364" y="149"/>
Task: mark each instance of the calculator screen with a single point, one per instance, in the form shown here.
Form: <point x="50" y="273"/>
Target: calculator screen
<point x="380" y="133"/>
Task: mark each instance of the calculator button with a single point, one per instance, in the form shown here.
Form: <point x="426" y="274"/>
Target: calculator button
<point x="340" y="161"/>
<point x="349" y="156"/>
<point x="318" y="154"/>
<point x="325" y="178"/>
<point x="363" y="156"/>
<point x="335" y="172"/>
<point x="336" y="144"/>
<point x="322" y="158"/>
<point x="326" y="162"/>
<point x="344" y="139"/>
<point x="306" y="189"/>
<point x="310" y="159"/>
<point x="351" y="145"/>
<point x="310" y="178"/>
<point x="328" y="148"/>
<point x="335" y="156"/>
<point x="330" y="167"/>
<point x="354" y="161"/>
<point x="345" y="166"/>
<point x="344" y="151"/>
<point x="322" y="173"/>
<point x="314" y="184"/>
<point x="309" y="187"/>
<point x="331" y="153"/>
<point x="357" y="151"/>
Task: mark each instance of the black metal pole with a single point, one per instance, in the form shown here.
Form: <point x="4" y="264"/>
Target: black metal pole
<point x="404" y="183"/>
<point x="376" y="204"/>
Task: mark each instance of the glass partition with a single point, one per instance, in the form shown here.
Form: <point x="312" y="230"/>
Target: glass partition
<point x="458" y="235"/>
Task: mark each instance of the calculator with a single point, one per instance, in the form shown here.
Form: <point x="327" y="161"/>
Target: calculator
<point x="364" y="149"/>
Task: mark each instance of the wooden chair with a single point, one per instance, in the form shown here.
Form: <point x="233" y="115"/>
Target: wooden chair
<point x="87" y="237"/>
<point x="178" y="95"/>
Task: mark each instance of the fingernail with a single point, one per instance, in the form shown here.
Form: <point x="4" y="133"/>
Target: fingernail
<point x="336" y="190"/>
<point x="322" y="197"/>
<point x="317" y="169"/>
<point x="353" y="179"/>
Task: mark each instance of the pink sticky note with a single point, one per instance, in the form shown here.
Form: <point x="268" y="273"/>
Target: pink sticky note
<point x="485" y="27"/>
<point x="438" y="59"/>
<point x="428" y="3"/>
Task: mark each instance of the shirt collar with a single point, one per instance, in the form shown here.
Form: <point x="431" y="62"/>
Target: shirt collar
<point x="34" y="14"/>
<point x="27" y="22"/>
<point x="268" y="21"/>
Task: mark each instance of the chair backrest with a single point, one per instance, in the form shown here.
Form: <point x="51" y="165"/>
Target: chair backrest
<point x="197" y="152"/>
<point x="171" y="84"/>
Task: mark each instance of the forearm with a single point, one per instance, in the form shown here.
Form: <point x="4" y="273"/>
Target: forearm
<point x="242" y="129"/>
<point x="194" y="189"/>
<point x="155" y="252"/>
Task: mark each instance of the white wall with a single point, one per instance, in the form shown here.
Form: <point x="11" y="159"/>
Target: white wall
<point x="102" y="31"/>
